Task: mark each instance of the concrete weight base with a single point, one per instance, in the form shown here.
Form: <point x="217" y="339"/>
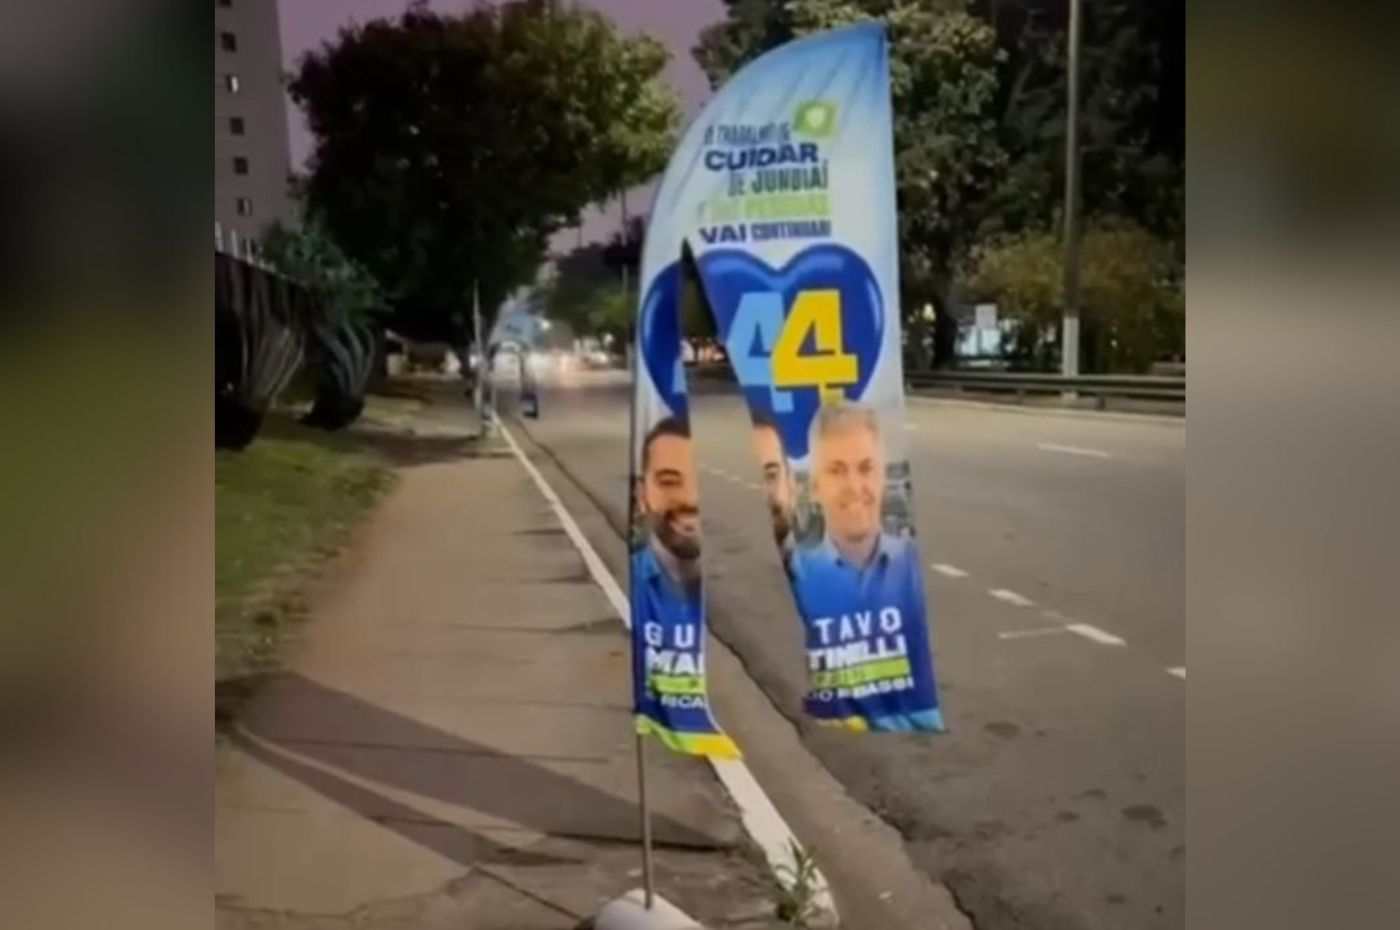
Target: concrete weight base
<point x="628" y="913"/>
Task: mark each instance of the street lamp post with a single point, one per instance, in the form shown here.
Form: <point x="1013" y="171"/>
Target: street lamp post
<point x="1069" y="340"/>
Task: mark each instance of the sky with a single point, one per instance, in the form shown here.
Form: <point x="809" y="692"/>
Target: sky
<point x="305" y="24"/>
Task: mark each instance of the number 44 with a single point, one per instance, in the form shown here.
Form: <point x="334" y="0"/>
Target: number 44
<point x="766" y="349"/>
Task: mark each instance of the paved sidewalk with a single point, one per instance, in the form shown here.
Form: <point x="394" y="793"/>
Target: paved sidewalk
<point x="451" y="746"/>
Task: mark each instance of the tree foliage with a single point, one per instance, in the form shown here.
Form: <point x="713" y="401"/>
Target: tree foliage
<point x="979" y="93"/>
<point x="1131" y="296"/>
<point x="449" y="147"/>
<point x="587" y="290"/>
<point x="307" y="254"/>
<point x="1128" y="168"/>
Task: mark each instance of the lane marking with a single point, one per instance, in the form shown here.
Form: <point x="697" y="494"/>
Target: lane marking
<point x="1097" y="635"/>
<point x="1179" y="672"/>
<point x="1072" y="450"/>
<point x="753" y="487"/>
<point x="911" y="427"/>
<point x="1011" y="597"/>
<point x="760" y="818"/>
<point x="1027" y="634"/>
<point x="952" y="571"/>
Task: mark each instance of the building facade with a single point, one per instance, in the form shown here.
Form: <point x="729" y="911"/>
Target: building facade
<point x="252" y="153"/>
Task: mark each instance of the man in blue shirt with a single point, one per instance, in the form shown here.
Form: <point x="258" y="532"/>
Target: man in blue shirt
<point x="667" y="608"/>
<point x="860" y="590"/>
<point x="667" y="500"/>
<point x="777" y="485"/>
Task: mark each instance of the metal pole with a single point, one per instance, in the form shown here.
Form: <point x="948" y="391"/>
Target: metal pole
<point x="647" y="886"/>
<point x="1069" y="341"/>
<point x="644" y="805"/>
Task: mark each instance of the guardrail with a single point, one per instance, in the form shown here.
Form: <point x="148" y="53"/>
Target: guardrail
<point x="1099" y="387"/>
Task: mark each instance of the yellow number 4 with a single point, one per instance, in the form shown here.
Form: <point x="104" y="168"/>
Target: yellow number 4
<point x="829" y="367"/>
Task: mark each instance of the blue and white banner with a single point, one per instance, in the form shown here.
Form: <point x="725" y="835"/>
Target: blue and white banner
<point x="781" y="200"/>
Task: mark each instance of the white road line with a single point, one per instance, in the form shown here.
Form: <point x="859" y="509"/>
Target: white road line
<point x="1027" y="634"/>
<point x="911" y="428"/>
<point x="1072" y="450"/>
<point x="1097" y="635"/>
<point x="752" y="487"/>
<point x="1179" y="672"/>
<point x="1011" y="597"/>
<point x="761" y="819"/>
<point x="952" y="571"/>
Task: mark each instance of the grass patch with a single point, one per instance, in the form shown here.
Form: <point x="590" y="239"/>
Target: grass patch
<point x="282" y="505"/>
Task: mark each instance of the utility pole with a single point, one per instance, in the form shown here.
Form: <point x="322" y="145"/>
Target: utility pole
<point x="1069" y="337"/>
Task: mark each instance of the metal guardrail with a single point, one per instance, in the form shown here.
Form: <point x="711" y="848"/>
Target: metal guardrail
<point x="1099" y="387"/>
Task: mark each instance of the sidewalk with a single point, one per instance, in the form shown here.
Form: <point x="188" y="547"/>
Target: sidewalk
<point x="451" y="745"/>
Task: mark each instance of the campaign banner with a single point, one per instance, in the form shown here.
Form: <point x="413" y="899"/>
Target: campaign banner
<point x="777" y="211"/>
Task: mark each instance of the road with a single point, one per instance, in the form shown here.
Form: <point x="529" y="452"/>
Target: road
<point x="1055" y="565"/>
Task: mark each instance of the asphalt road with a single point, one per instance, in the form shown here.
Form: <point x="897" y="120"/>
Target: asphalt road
<point x="1055" y="565"/>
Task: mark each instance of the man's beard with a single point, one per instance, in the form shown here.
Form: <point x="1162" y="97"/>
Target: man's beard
<point x="681" y="545"/>
<point x="781" y="525"/>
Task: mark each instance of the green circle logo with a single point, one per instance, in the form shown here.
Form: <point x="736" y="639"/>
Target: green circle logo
<point x="816" y="118"/>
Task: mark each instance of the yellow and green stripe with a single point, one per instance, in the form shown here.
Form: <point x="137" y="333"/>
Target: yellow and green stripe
<point x="718" y="745"/>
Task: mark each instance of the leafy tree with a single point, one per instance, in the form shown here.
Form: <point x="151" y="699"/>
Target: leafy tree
<point x="449" y="148"/>
<point x="1129" y="166"/>
<point x="1131" y="297"/>
<point x="579" y="282"/>
<point x="344" y="328"/>
<point x="749" y="28"/>
<point x="979" y="99"/>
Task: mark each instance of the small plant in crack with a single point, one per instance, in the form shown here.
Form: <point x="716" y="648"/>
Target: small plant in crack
<point x="796" y="888"/>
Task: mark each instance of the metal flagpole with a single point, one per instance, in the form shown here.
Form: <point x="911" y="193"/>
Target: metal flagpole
<point x="476" y="339"/>
<point x="648" y="887"/>
<point x="1069" y="348"/>
<point x="479" y="388"/>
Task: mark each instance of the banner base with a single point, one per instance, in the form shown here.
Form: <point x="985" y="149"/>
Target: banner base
<point x="629" y="912"/>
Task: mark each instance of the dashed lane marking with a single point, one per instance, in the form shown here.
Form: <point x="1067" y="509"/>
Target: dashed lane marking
<point x="1088" y="631"/>
<point x="1011" y="597"/>
<point x="1028" y="634"/>
<point x="1072" y="450"/>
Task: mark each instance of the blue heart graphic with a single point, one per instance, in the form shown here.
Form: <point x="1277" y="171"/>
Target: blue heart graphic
<point x="732" y="276"/>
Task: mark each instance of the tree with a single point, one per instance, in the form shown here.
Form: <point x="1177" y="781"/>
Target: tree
<point x="1131" y="297"/>
<point x="344" y="329"/>
<point x="587" y="290"/>
<point x="979" y="100"/>
<point x="449" y="148"/>
<point x="1131" y="167"/>
<point x="749" y="28"/>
